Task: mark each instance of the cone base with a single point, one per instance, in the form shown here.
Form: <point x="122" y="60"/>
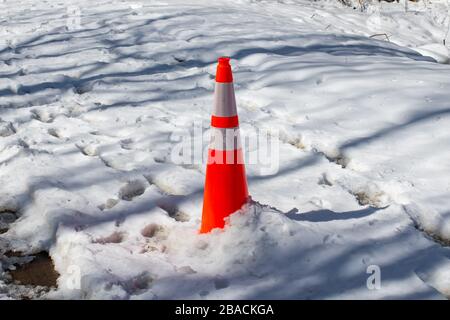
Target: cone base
<point x="225" y="189"/>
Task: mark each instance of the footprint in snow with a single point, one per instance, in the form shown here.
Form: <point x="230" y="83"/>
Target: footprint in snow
<point x="334" y="157"/>
<point x="88" y="150"/>
<point x="154" y="230"/>
<point x="325" y="180"/>
<point x="297" y="143"/>
<point x="84" y="87"/>
<point x="55" y="133"/>
<point x="221" y="283"/>
<point x="155" y="234"/>
<point x="185" y="270"/>
<point x="109" y="204"/>
<point x="132" y="189"/>
<point x="139" y="284"/>
<point x="6" y="128"/>
<point x="42" y="115"/>
<point x="168" y="205"/>
<point x="373" y="197"/>
<point x="126" y="144"/>
<point x="115" y="237"/>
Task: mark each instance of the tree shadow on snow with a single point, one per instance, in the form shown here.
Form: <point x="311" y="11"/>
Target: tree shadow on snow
<point x="101" y="38"/>
<point x="332" y="275"/>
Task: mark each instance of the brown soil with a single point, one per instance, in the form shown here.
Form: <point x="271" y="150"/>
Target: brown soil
<point x="39" y="272"/>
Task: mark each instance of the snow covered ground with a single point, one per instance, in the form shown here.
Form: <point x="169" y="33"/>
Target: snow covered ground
<point x="90" y="106"/>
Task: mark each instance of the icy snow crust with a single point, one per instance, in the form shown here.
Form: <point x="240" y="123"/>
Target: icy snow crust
<point x="87" y="117"/>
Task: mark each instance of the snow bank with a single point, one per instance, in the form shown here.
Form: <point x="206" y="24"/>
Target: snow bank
<point x="436" y="51"/>
<point x="262" y="253"/>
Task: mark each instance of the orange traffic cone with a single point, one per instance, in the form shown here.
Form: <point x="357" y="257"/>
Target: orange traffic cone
<point x="226" y="185"/>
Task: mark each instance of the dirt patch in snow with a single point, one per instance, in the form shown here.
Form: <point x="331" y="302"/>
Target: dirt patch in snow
<point x="39" y="272"/>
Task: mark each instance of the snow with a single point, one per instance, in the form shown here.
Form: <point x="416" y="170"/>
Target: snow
<point x="438" y="52"/>
<point x="90" y="116"/>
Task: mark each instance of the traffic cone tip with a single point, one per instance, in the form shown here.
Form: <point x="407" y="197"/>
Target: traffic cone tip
<point x="224" y="73"/>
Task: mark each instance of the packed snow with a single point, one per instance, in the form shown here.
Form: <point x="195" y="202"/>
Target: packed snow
<point x="94" y="99"/>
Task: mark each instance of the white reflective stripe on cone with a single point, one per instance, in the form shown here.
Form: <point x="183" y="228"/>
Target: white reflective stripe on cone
<point x="225" y="139"/>
<point x="224" y="100"/>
